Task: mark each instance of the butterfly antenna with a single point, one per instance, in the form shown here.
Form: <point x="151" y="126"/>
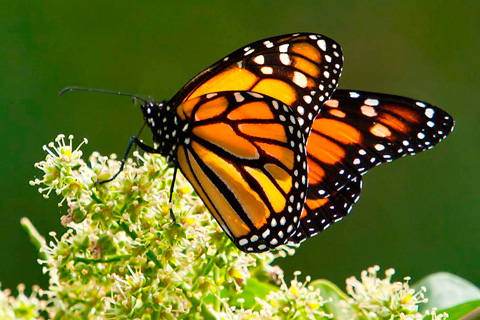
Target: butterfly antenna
<point x="134" y="96"/>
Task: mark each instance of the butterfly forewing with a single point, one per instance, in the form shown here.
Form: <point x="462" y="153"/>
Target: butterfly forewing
<point x="301" y="70"/>
<point x="245" y="157"/>
<point x="354" y="132"/>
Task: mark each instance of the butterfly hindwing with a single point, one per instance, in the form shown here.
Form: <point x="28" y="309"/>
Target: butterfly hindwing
<point x="245" y="157"/>
<point x="301" y="70"/>
<point x="320" y="214"/>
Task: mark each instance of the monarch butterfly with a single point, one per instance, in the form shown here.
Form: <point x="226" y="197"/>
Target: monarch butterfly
<point x="275" y="153"/>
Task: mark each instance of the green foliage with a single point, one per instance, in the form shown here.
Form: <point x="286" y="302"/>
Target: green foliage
<point x="446" y="290"/>
<point x="470" y="310"/>
<point x="122" y="257"/>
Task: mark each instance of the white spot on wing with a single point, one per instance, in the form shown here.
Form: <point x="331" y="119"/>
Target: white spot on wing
<point x="372" y="102"/>
<point x="266" y="233"/>
<point x="429" y="113"/>
<point x="211" y="95"/>
<point x="299" y="79"/>
<point x="255" y="95"/>
<point x="266" y="70"/>
<point x="283" y="48"/>
<point x="322" y="44"/>
<point x="273" y="223"/>
<point x="368" y="111"/>
<point x="238" y="97"/>
<point x="285" y="59"/>
<point x="307" y="99"/>
<point x="259" y="59"/>
<point x="268" y="44"/>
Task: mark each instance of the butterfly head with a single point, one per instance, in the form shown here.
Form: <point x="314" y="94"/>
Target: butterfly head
<point x="164" y="123"/>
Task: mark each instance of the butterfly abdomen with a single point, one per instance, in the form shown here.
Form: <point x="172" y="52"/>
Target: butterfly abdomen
<point x="168" y="129"/>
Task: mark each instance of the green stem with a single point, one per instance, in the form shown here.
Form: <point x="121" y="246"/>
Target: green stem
<point x="95" y="197"/>
<point x="134" y="235"/>
<point x="131" y="234"/>
<point x="37" y="240"/>
<point x="207" y="314"/>
<point x="114" y="259"/>
<point x="155" y="315"/>
<point x="206" y="269"/>
<point x="216" y="277"/>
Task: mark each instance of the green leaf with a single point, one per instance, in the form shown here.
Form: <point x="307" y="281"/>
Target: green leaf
<point x="329" y="290"/>
<point x="465" y="311"/>
<point x="446" y="290"/>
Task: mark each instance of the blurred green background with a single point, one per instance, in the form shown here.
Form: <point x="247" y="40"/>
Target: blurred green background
<point x="418" y="215"/>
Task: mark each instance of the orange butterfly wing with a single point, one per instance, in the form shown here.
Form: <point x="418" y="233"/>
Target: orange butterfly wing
<point x="245" y="156"/>
<point x="354" y="132"/>
<point x="300" y="70"/>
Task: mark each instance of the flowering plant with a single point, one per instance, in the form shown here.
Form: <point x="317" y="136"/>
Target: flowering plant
<point x="122" y="256"/>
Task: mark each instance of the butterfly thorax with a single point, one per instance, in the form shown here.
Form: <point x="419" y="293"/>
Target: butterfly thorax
<point x="164" y="123"/>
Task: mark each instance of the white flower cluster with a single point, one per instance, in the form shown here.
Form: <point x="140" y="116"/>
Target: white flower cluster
<point x="123" y="257"/>
<point x="384" y="299"/>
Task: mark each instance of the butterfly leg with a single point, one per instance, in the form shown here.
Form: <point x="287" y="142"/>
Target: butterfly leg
<point x="139" y="143"/>
<point x="171" y="192"/>
<point x="149" y="149"/>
